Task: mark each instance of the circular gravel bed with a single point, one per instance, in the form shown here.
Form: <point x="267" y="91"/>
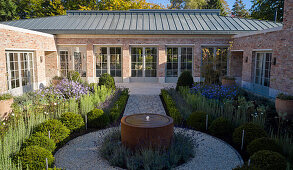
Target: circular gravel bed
<point x="210" y="152"/>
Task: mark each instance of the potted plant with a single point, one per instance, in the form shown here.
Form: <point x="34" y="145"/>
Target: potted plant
<point x="56" y="80"/>
<point x="228" y="81"/>
<point x="284" y="105"/>
<point x="6" y="101"/>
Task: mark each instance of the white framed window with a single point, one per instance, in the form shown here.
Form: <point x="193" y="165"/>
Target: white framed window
<point x="144" y="61"/>
<point x="19" y="68"/>
<point x="262" y="69"/>
<point x="217" y="57"/>
<point x="64" y="63"/>
<point x="179" y="59"/>
<point x="108" y="60"/>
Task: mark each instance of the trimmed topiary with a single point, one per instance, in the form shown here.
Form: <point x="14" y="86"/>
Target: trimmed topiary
<point x="72" y="121"/>
<point x="98" y="119"/>
<point x="221" y="128"/>
<point x="107" y="80"/>
<point x="263" y="144"/>
<point x="197" y="120"/>
<point x="42" y="140"/>
<point x="268" y="160"/>
<point x="34" y="157"/>
<point x="74" y="76"/>
<point x="251" y="132"/>
<point x="185" y="79"/>
<point x="58" y="132"/>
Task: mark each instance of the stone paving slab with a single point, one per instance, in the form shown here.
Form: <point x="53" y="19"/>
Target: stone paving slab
<point x="144" y="104"/>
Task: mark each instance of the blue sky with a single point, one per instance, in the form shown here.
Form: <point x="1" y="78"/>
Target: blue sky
<point x="230" y="2"/>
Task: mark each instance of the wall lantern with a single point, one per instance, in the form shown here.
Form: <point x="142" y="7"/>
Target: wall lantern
<point x="246" y="59"/>
<point x="41" y="59"/>
<point x="274" y="61"/>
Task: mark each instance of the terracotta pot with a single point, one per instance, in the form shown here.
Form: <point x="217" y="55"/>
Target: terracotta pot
<point x="55" y="82"/>
<point x="5" y="108"/>
<point x="228" y="82"/>
<point x="285" y="106"/>
<point x="137" y="132"/>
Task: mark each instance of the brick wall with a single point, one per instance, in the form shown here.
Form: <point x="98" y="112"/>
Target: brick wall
<point x="159" y="41"/>
<point x="236" y="63"/>
<point x="12" y="38"/>
<point x="281" y="44"/>
<point x="288" y="14"/>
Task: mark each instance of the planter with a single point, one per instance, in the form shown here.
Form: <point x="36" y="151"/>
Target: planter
<point x="55" y="82"/>
<point x="228" y="82"/>
<point x="5" y="108"/>
<point x="285" y="106"/>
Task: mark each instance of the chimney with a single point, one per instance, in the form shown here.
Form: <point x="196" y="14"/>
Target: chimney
<point x="288" y="15"/>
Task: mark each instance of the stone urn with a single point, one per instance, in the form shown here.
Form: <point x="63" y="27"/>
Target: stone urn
<point x="5" y="108"/>
<point x="146" y="130"/>
<point x="228" y="81"/>
<point x="284" y="105"/>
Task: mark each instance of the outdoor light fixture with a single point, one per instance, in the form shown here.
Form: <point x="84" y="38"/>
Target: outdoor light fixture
<point x="41" y="59"/>
<point x="274" y="61"/>
<point x="246" y="59"/>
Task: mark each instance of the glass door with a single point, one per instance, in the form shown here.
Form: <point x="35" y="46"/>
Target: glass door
<point x="262" y="73"/>
<point x="143" y="62"/>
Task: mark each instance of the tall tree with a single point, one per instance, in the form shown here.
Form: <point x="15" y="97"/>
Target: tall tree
<point x="187" y="4"/>
<point x="239" y="10"/>
<point x="217" y="4"/>
<point x="7" y="10"/>
<point x="266" y="9"/>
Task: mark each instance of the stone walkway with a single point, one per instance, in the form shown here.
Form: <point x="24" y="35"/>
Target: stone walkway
<point x="144" y="104"/>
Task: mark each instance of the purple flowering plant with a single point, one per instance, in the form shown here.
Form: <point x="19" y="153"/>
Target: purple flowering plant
<point x="215" y="91"/>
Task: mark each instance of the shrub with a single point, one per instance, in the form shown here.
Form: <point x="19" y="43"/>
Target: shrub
<point x="180" y="151"/>
<point x="98" y="119"/>
<point x="5" y="96"/>
<point x="214" y="91"/>
<point x="263" y="144"/>
<point x="171" y="107"/>
<point x="285" y="96"/>
<point x="221" y="128"/>
<point x="74" y="76"/>
<point x="107" y="80"/>
<point x="119" y="106"/>
<point x="251" y="132"/>
<point x="72" y="121"/>
<point x="42" y="140"/>
<point x="34" y="157"/>
<point x="268" y="160"/>
<point x="58" y="132"/>
<point x="185" y="79"/>
<point x="57" y="78"/>
<point x="197" y="120"/>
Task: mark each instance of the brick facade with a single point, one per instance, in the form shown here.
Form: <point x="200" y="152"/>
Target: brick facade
<point x="12" y="38"/>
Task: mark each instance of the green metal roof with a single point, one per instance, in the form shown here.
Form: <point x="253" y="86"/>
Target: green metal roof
<point x="143" y="22"/>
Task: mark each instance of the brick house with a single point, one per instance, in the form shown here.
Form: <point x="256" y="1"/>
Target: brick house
<point x="145" y="46"/>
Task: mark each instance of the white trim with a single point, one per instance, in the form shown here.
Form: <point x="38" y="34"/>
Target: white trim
<point x="108" y="44"/>
<point x="71" y="44"/>
<point x="262" y="50"/>
<point x="180" y="45"/>
<point x="19" y="49"/>
<point x="214" y="45"/>
<point x="143" y="44"/>
<point x="259" y="32"/>
<point x="3" y="26"/>
<point x="237" y="50"/>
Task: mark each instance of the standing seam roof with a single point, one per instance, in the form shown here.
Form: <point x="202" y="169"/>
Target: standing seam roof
<point x="143" y="22"/>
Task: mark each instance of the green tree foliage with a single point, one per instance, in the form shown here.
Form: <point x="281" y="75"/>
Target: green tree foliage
<point x="7" y="10"/>
<point x="239" y="10"/>
<point x="39" y="8"/>
<point x="266" y="9"/>
<point x="188" y="4"/>
<point x="218" y="4"/>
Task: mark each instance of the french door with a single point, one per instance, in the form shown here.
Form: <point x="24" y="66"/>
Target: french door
<point x="143" y="61"/>
<point x="262" y="72"/>
<point x="179" y="59"/>
<point x="19" y="67"/>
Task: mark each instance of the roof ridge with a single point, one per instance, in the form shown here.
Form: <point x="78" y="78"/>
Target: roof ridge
<point x="89" y="12"/>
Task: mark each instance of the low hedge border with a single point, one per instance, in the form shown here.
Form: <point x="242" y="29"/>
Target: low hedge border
<point x="118" y="107"/>
<point x="171" y="108"/>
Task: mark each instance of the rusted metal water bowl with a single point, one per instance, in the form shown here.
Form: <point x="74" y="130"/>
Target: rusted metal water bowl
<point x="140" y="130"/>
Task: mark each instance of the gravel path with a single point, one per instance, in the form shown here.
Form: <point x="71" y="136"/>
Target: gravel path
<point x="210" y="153"/>
<point x="144" y="104"/>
